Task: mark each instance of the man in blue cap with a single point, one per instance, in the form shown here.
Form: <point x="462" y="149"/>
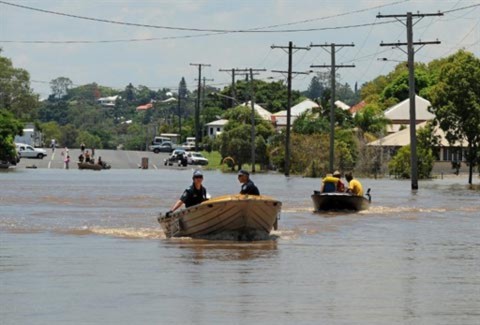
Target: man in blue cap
<point x="247" y="185"/>
<point x="193" y="195"/>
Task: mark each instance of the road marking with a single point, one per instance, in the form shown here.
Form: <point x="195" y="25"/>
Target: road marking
<point x="154" y="166"/>
<point x="51" y="159"/>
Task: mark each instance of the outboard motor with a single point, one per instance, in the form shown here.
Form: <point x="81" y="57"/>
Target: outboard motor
<point x="369" y="196"/>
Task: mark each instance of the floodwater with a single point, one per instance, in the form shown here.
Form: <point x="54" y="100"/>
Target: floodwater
<point x="84" y="247"/>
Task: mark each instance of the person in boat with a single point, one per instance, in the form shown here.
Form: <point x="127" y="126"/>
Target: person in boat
<point x="81" y="158"/>
<point x="248" y="187"/>
<point x="100" y="162"/>
<point x="193" y="195"/>
<point x="340" y="185"/>
<point x="87" y="156"/>
<point x="354" y="186"/>
<point x="329" y="184"/>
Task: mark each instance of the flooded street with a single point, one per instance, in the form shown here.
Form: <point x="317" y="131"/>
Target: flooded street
<point x="84" y="247"/>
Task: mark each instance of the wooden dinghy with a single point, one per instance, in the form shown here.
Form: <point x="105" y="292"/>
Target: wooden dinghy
<point x="336" y="201"/>
<point x="237" y="217"/>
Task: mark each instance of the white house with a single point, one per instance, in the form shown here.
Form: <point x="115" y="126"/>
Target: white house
<point x="266" y="115"/>
<point x="280" y="118"/>
<point x="215" y="128"/>
<point x="447" y="152"/>
<point x="399" y="114"/>
<point x="108" y="101"/>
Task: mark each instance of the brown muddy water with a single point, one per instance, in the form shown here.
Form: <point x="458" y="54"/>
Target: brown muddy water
<point x="84" y="247"/>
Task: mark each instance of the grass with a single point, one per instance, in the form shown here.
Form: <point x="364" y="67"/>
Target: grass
<point x="215" y="162"/>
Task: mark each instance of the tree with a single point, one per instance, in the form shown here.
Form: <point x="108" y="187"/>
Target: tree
<point x="16" y="96"/>
<point x="456" y="103"/>
<point x="371" y="120"/>
<point x="9" y="127"/>
<point x="315" y="89"/>
<point x="235" y="141"/>
<point x="60" y="87"/>
<point x="427" y="144"/>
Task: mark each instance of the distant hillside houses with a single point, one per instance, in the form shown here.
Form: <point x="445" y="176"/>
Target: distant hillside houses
<point x="108" y="101"/>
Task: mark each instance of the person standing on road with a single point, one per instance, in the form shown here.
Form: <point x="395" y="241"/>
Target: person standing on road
<point x="193" y="195"/>
<point x="248" y="187"/>
<point x="67" y="161"/>
<point x="82" y="147"/>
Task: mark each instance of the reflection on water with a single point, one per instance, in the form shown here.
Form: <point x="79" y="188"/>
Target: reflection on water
<point x="87" y="248"/>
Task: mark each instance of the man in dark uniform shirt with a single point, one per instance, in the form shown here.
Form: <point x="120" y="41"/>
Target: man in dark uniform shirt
<point x="193" y="195"/>
<point x="247" y="185"/>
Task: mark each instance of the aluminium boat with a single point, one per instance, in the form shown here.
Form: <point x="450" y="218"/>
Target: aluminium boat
<point x="338" y="201"/>
<point x="229" y="217"/>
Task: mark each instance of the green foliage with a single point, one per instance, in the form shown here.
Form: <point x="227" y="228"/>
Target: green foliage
<point x="310" y="123"/>
<point x="235" y="141"/>
<point x="426" y="146"/>
<point x="371" y="120"/>
<point x="90" y="140"/>
<point x="9" y="128"/>
<point x="16" y="96"/>
<point x="456" y="102"/>
<point x="51" y="130"/>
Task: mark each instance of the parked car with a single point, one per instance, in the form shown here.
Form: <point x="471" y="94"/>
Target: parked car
<point x="178" y="156"/>
<point x="196" y="158"/>
<point x="163" y="147"/>
<point x="27" y="151"/>
<point x="188" y="145"/>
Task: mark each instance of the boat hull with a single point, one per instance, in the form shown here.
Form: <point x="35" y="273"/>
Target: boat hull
<point x="237" y="217"/>
<point x="339" y="201"/>
<point x="89" y="166"/>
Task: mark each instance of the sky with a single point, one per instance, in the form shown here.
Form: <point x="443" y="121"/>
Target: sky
<point x="153" y="42"/>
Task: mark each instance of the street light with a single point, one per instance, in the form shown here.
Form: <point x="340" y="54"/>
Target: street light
<point x="225" y="96"/>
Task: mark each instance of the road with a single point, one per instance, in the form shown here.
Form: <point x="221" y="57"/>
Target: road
<point x="118" y="159"/>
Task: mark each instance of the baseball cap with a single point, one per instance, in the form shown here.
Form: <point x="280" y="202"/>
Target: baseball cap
<point x="197" y="173"/>
<point x="242" y="172"/>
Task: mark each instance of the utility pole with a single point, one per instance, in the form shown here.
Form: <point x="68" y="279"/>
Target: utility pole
<point x="333" y="68"/>
<point x="250" y="72"/>
<point x="202" y="103"/>
<point x="197" y="107"/>
<point x="411" y="81"/>
<point x="290" y="52"/>
<point x="233" y="93"/>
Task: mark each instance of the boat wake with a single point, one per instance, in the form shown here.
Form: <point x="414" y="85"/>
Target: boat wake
<point x="130" y="233"/>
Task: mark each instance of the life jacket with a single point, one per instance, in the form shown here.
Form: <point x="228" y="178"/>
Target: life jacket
<point x="330" y="184"/>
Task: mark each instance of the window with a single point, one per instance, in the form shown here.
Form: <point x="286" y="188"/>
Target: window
<point x="211" y="131"/>
<point x="218" y="129"/>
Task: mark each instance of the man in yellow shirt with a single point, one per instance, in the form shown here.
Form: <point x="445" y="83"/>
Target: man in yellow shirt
<point x="354" y="186"/>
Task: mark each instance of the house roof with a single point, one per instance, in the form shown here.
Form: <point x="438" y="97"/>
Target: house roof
<point x="357" y="107"/>
<point x="401" y="111"/>
<point x="144" y="107"/>
<point x="402" y="138"/>
<point x="266" y="115"/>
<point x="280" y="118"/>
<point x="221" y="122"/>
<point x="342" y="105"/>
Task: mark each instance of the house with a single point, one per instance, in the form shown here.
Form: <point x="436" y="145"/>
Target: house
<point x="342" y="105"/>
<point x="448" y="152"/>
<point x="280" y="118"/>
<point x="215" y="128"/>
<point x="357" y="107"/>
<point x="108" y="101"/>
<point x="266" y="115"/>
<point x="399" y="114"/>
<point x="31" y="136"/>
